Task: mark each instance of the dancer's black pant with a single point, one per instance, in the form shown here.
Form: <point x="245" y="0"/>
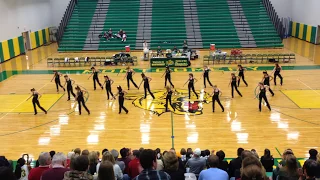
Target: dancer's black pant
<point x="275" y="77"/>
<point x="234" y="86"/>
<point x="168" y="100"/>
<point x="96" y="79"/>
<point x="206" y="78"/>
<point x="121" y="102"/>
<point x="263" y="96"/>
<point x="70" y="90"/>
<point x="108" y="89"/>
<point x="242" y="76"/>
<point x="270" y="90"/>
<point x="168" y="78"/>
<point x="58" y="83"/>
<point x="36" y="102"/>
<point x="216" y="98"/>
<point x="147" y="88"/>
<point x="81" y="101"/>
<point x="128" y="83"/>
<point x="191" y="87"/>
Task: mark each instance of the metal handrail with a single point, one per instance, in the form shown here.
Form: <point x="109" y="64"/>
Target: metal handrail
<point x="65" y="19"/>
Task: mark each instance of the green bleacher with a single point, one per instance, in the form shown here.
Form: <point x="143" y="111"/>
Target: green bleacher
<point x="261" y="26"/>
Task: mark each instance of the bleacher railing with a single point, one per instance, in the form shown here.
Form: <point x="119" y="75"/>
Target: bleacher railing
<point x="278" y="24"/>
<point x="65" y="19"/>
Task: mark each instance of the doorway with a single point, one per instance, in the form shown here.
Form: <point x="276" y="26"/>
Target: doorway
<point x="26" y="41"/>
<point x="318" y="36"/>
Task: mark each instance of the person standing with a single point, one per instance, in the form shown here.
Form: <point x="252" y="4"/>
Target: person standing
<point x="95" y="77"/>
<point x="262" y="95"/>
<point x="266" y="81"/>
<point x="121" y="95"/>
<point x="191" y="81"/>
<point x="108" y="83"/>
<point x="241" y="75"/>
<point x="129" y="75"/>
<point x="205" y="75"/>
<point x="146" y="80"/>
<point x="277" y="70"/>
<point x="69" y="83"/>
<point x="168" y="98"/>
<point x="56" y="78"/>
<point x="80" y="99"/>
<point x="167" y="76"/>
<point x="35" y="101"/>
<point x="215" y="97"/>
<point x="233" y="83"/>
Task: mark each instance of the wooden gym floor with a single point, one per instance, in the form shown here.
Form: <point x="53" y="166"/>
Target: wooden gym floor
<point x="292" y="123"/>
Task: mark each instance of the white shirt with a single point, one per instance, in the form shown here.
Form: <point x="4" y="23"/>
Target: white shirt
<point x="145" y="45"/>
<point x="117" y="171"/>
<point x="24" y="172"/>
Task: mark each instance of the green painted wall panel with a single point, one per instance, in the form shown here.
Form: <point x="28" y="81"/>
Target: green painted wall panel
<point x="11" y="48"/>
<point x="297" y="29"/>
<point x="305" y="28"/>
<point x="37" y="38"/>
<point x="1" y="53"/>
<point x="313" y="35"/>
<point x="44" y="36"/>
<point x="21" y="45"/>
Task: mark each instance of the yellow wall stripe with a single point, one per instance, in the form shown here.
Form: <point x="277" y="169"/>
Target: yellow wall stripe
<point x="33" y="40"/>
<point x="294" y="25"/>
<point x="301" y="31"/>
<point x="5" y="49"/>
<point x="16" y="46"/>
<point x="40" y="37"/>
<point x="47" y="35"/>
<point x="309" y="30"/>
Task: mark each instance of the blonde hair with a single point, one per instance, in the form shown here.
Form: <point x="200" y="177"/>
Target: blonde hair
<point x="93" y="157"/>
<point x="107" y="156"/>
<point x="170" y="161"/>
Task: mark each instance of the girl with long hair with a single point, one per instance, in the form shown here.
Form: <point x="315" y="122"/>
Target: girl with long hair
<point x="80" y="99"/>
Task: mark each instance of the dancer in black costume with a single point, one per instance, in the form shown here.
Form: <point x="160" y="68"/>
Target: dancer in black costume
<point x="146" y="80"/>
<point x="129" y="75"/>
<point x="168" y="98"/>
<point x="95" y="77"/>
<point x="108" y="83"/>
<point x="233" y="82"/>
<point x="262" y="95"/>
<point x="266" y="81"/>
<point x="205" y="75"/>
<point x="277" y="70"/>
<point x="80" y="99"/>
<point x="121" y="95"/>
<point x="241" y="75"/>
<point x="69" y="83"/>
<point x="35" y="101"/>
<point x="191" y="81"/>
<point x="56" y="78"/>
<point x="215" y="97"/>
<point x="167" y="77"/>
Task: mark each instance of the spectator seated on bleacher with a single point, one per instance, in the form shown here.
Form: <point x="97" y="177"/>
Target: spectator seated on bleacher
<point x="185" y="46"/>
<point x="159" y="52"/>
<point x="76" y="59"/>
<point x="178" y="54"/>
<point x="66" y="59"/>
<point x="174" y="50"/>
<point x="110" y="34"/>
<point x="145" y="49"/>
<point x="124" y="37"/>
<point x="119" y="34"/>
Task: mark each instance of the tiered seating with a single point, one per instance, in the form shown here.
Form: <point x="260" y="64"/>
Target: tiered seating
<point x="76" y="32"/>
<point x="216" y="24"/>
<point x="168" y="24"/>
<point x="261" y="26"/>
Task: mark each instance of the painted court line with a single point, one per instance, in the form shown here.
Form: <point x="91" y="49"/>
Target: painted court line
<point x="308" y="86"/>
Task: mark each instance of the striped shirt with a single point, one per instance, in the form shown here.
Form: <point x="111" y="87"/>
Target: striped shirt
<point x="150" y="174"/>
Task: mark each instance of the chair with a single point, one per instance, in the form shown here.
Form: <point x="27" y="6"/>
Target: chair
<point x="205" y="59"/>
<point x="253" y="58"/>
<point x="259" y="58"/>
<point x="248" y="57"/>
<point x="292" y="57"/>
<point x="49" y="61"/>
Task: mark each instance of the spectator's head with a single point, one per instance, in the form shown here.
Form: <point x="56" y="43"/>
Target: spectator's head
<point x="239" y="151"/>
<point x="183" y="151"/>
<point x="52" y="153"/>
<point x="251" y="160"/>
<point x="170" y="161"/>
<point x="252" y="172"/>
<point x="158" y="153"/>
<point x="73" y="161"/>
<point x="254" y="152"/>
<point x="221" y="155"/>
<point x="136" y="153"/>
<point x="245" y="154"/>
<point x="164" y="152"/>
<point x="106" y="171"/>
<point x="6" y="173"/>
<point x="93" y="158"/>
<point x="197" y="152"/>
<point x="85" y="152"/>
<point x="124" y="152"/>
<point x="107" y="156"/>
<point x="70" y="154"/>
<point x="310" y="168"/>
<point x="44" y="159"/>
<point x="115" y="154"/>
<point x="291" y="164"/>
<point x="173" y="150"/>
<point x="141" y="149"/>
<point x="81" y="163"/>
<point x="207" y="152"/>
<point x="4" y="161"/>
<point x="189" y="152"/>
<point x="148" y="159"/>
<point x="104" y="150"/>
<point x="98" y="154"/>
<point x="286" y="153"/>
<point x="21" y="162"/>
<point x="313" y="154"/>
<point x="77" y="151"/>
<point x="213" y="161"/>
<point x="267" y="153"/>
<point x="59" y="159"/>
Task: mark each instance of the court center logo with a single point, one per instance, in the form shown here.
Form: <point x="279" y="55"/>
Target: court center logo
<point x="181" y="104"/>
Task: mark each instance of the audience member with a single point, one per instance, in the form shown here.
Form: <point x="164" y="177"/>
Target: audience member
<point x="318" y="171"/>
<point x="6" y="173"/>
<point x="183" y="154"/>
<point x="174" y="49"/>
<point x="313" y="154"/>
<point x="235" y="164"/>
<point x="253" y="172"/>
<point x="77" y="151"/>
<point x="22" y="171"/>
<point x="310" y="169"/>
<point x="115" y="155"/>
<point x="107" y="156"/>
<point x="181" y="164"/>
<point x="93" y="162"/>
<point x="213" y="172"/>
<point x="52" y="153"/>
<point x="124" y="37"/>
<point x="80" y="171"/>
<point x="124" y="152"/>
<point x="171" y="164"/>
<point x="105" y="171"/>
<point x="254" y="152"/>
<point x="159" y="51"/>
<point x="58" y="164"/>
<point x="103" y="151"/>
<point x="196" y="164"/>
<point x="110" y="33"/>
<point x="223" y="165"/>
<point x="120" y="33"/>
<point x="290" y="170"/>
<point x="4" y="162"/>
<point x="148" y="162"/>
<point x="267" y="160"/>
<point x="159" y="159"/>
<point x="134" y="165"/>
<point x="145" y="49"/>
<point x="85" y="152"/>
<point x="189" y="153"/>
<point x="98" y="156"/>
<point x="185" y="46"/>
<point x="44" y="162"/>
<point x="72" y="160"/>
